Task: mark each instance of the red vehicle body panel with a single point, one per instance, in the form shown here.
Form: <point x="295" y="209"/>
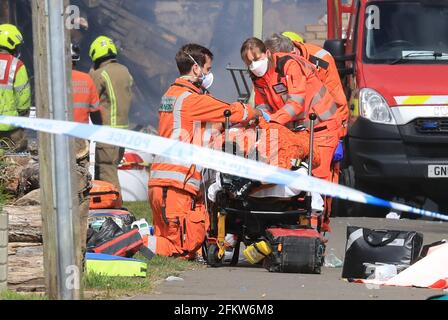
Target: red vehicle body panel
<point x="392" y="159"/>
<point x="404" y="80"/>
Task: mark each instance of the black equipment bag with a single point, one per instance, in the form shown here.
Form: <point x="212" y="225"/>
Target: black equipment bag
<point x="122" y="217"/>
<point x="112" y="240"/>
<point x="109" y="230"/>
<point x="294" y="250"/>
<point x="125" y="245"/>
<point x="379" y="246"/>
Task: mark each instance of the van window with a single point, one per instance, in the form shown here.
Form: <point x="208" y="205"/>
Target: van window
<point x="406" y="32"/>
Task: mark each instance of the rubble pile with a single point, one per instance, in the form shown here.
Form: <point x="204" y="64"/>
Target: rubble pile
<point x="19" y="176"/>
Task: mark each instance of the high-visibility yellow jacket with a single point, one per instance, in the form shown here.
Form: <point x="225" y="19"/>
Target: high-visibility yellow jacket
<point x="114" y="84"/>
<point x="15" y="91"/>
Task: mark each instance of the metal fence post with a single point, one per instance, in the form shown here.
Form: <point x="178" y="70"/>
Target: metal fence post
<point x="3" y="250"/>
<point x="64" y="199"/>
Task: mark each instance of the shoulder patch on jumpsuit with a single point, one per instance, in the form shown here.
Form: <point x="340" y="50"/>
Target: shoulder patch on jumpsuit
<point x="167" y="104"/>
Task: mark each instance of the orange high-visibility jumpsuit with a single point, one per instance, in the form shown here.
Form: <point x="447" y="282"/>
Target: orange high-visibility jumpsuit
<point x="329" y="75"/>
<point x="85" y="101"/>
<point x="276" y="144"/>
<point x="85" y="96"/>
<point x="290" y="91"/>
<point x="179" y="214"/>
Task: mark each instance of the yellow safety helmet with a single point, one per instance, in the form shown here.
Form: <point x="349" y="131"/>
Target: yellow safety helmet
<point x="293" y="36"/>
<point x="102" y="47"/>
<point x="10" y="36"/>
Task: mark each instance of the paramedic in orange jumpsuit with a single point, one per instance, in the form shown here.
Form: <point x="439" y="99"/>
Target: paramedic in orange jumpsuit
<point x="179" y="214"/>
<point x="86" y="104"/>
<point x="329" y="75"/>
<point x="288" y="88"/>
<point x="327" y="72"/>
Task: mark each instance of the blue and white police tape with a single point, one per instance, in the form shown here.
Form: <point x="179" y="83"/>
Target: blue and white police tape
<point x="207" y="158"/>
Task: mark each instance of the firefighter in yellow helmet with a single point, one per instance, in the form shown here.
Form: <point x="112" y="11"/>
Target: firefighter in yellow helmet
<point x="15" y="91"/>
<point x="114" y="85"/>
<point x="296" y="37"/>
<point x="327" y="72"/>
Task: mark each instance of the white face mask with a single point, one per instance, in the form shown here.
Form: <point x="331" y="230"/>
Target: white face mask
<point x="260" y="67"/>
<point x="207" y="80"/>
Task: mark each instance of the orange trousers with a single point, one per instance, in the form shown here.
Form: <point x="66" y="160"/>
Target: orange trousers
<point x="327" y="142"/>
<point x="184" y="229"/>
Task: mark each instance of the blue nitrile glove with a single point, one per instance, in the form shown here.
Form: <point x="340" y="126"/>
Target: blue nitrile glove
<point x="266" y="116"/>
<point x="339" y="152"/>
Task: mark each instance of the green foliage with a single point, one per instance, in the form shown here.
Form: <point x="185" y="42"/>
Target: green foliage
<point x="4" y="196"/>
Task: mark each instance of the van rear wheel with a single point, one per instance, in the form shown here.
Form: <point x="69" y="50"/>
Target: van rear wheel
<point x="339" y="207"/>
<point x="368" y="210"/>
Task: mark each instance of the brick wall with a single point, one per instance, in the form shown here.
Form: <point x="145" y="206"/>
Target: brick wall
<point x="317" y="33"/>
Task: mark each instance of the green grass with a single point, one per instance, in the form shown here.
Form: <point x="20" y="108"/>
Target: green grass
<point x="159" y="268"/>
<point x="140" y="209"/>
<point x="11" y="295"/>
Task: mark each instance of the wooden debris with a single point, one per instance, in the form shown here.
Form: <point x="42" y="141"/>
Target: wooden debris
<point x="18" y="174"/>
<point x="25" y="223"/>
<point x="25" y="267"/>
<point x="30" y="199"/>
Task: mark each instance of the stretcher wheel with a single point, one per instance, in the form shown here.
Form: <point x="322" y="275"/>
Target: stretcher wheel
<point x="212" y="256"/>
<point x="236" y="254"/>
<point x="204" y="251"/>
<point x="318" y="267"/>
<point x="317" y="270"/>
